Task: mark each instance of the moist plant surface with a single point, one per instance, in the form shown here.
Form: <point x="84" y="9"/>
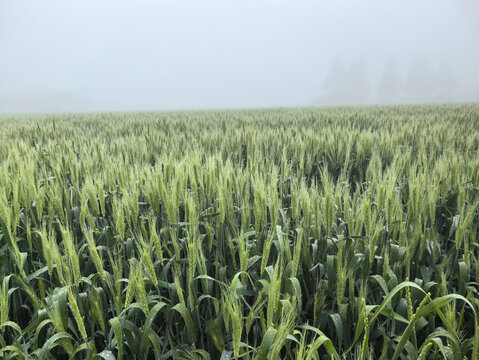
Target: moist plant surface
<point x="335" y="233"/>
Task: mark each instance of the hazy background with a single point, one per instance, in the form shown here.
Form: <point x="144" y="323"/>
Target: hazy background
<point x="111" y="55"/>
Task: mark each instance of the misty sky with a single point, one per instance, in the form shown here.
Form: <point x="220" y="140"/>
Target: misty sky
<point x="113" y="55"/>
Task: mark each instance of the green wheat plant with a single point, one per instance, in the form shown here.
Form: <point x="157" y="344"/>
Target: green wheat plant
<point x="333" y="233"/>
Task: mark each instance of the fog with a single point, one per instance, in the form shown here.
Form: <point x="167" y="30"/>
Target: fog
<point x="113" y="55"/>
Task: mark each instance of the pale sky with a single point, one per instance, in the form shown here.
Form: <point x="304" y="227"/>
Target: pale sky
<point x="113" y="55"/>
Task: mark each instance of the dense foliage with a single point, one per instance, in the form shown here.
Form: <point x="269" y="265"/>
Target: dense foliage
<point x="294" y="234"/>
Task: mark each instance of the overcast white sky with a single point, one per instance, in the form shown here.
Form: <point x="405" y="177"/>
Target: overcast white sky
<point x="111" y="55"/>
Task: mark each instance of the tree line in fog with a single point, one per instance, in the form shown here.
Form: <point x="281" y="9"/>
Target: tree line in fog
<point x="420" y="83"/>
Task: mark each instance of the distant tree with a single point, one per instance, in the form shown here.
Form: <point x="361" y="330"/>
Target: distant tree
<point x="358" y="84"/>
<point x="333" y="92"/>
<point x="419" y="86"/>
<point x="351" y="86"/>
<point x="445" y="82"/>
<point x="389" y="88"/>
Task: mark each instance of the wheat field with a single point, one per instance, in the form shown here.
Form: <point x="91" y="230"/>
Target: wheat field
<point x="334" y="233"/>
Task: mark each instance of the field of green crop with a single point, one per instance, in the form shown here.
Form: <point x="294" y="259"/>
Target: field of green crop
<point x="347" y="233"/>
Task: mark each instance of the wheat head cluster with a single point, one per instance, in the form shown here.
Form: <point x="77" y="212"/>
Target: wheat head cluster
<point x="333" y="233"/>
